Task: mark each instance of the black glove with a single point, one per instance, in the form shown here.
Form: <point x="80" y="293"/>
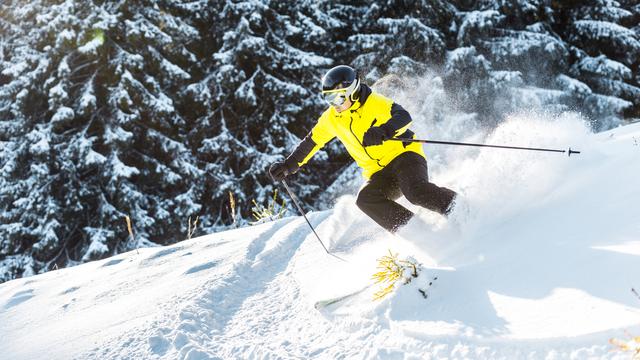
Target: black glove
<point x="281" y="169"/>
<point x="376" y="135"/>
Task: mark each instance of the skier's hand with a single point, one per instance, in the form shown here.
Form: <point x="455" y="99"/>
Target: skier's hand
<point x="375" y="136"/>
<point x="281" y="169"/>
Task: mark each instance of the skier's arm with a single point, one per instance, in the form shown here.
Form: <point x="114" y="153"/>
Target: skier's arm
<point x="397" y="125"/>
<point x="314" y="141"/>
<point x="399" y="122"/>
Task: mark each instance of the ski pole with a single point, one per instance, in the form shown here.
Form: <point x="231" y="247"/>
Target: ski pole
<point x="570" y="151"/>
<point x="295" y="202"/>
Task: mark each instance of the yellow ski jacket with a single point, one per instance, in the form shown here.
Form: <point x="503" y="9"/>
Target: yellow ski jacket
<point x="371" y="109"/>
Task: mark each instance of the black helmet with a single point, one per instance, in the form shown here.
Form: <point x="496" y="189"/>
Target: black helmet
<point x="339" y="83"/>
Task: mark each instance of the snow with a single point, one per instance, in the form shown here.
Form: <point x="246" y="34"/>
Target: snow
<point x="62" y="114"/>
<point x="58" y="92"/>
<point x="602" y="32"/>
<point x="16" y="69"/>
<point x="504" y="48"/>
<point x="607" y="10"/>
<point x="91" y="46"/>
<point x="476" y="22"/>
<point x="311" y="28"/>
<point x="87" y="101"/>
<point x="604" y="28"/>
<point x="120" y="170"/>
<point x="40" y="145"/>
<point x="246" y="91"/>
<point x="541" y="265"/>
<point x="173" y="70"/>
<point x="99" y="239"/>
<point x="93" y="157"/>
<point x="573" y="85"/>
<point x="602" y="66"/>
<point x="65" y="36"/>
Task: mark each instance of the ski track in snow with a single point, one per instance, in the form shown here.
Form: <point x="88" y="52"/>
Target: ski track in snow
<point x="525" y="283"/>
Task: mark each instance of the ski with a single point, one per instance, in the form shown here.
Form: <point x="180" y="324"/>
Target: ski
<point x="321" y="304"/>
<point x="324" y="303"/>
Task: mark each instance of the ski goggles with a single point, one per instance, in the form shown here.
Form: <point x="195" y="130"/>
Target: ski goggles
<point x="337" y="97"/>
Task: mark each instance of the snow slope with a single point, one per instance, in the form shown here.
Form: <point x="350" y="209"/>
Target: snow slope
<point x="538" y="264"/>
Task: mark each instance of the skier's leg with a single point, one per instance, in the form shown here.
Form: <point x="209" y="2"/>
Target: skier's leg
<point x="412" y="175"/>
<point x="376" y="200"/>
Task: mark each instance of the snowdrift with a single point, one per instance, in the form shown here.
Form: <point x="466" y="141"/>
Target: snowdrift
<point x="539" y="263"/>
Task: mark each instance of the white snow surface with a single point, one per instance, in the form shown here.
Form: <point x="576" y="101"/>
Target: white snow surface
<point x="537" y="262"/>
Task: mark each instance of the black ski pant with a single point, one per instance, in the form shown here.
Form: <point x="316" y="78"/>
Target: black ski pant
<point x="405" y="175"/>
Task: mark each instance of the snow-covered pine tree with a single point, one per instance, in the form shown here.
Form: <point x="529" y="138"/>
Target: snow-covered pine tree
<point x="522" y="53"/>
<point x="259" y="98"/>
<point x="33" y="192"/>
<point x="95" y="133"/>
<point x="550" y="46"/>
<point x="605" y="55"/>
<point x="150" y="173"/>
<point x="396" y="37"/>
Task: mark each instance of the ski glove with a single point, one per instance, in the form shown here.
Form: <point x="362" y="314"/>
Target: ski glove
<point x="281" y="169"/>
<point x="376" y="135"/>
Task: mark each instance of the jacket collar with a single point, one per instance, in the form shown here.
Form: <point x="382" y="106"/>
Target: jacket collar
<point x="365" y="91"/>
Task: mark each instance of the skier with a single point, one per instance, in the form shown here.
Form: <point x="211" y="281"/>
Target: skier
<point x="365" y="121"/>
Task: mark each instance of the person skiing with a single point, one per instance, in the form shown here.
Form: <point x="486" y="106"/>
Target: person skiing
<point x="365" y="122"/>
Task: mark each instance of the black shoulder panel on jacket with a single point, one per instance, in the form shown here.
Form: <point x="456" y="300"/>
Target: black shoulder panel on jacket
<point x="365" y="91"/>
<point x="399" y="118"/>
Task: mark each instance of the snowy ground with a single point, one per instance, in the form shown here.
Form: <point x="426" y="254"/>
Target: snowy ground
<point x="540" y="266"/>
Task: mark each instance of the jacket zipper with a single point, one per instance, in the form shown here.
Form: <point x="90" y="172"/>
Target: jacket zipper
<point x="358" y="140"/>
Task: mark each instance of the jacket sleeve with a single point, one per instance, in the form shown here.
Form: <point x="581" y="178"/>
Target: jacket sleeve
<point x="399" y="122"/>
<point x="314" y="141"/>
